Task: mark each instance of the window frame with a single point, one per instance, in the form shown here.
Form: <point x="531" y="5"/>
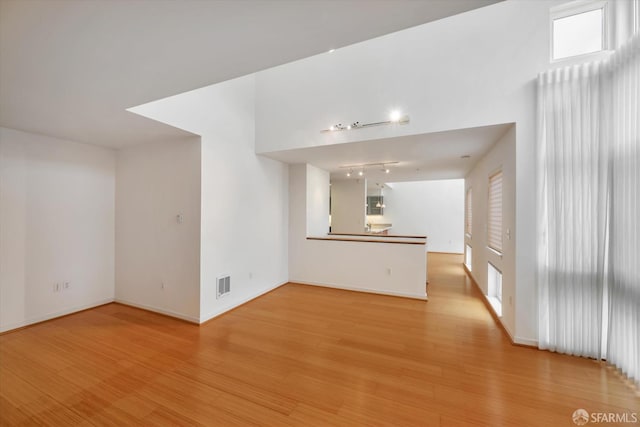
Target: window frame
<point x="494" y="290"/>
<point x="497" y="251"/>
<point x="576" y="8"/>
<point x="468" y="256"/>
<point x="468" y="213"/>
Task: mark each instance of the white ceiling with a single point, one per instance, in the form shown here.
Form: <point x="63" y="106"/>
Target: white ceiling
<point x="70" y="68"/>
<point x="420" y="157"/>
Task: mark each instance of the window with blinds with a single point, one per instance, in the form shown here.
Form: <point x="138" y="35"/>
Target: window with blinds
<point x="469" y="212"/>
<point x="495" y="212"/>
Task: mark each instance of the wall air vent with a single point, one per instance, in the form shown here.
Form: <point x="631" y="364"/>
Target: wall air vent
<point x="224" y="286"/>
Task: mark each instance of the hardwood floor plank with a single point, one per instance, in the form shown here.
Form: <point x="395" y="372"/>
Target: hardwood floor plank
<point x="300" y="356"/>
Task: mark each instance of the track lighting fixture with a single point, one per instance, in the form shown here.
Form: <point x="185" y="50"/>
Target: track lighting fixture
<point x="396" y="117"/>
<point x="360" y="168"/>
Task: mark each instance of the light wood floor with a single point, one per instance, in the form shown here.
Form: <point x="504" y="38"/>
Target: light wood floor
<point x="300" y="355"/>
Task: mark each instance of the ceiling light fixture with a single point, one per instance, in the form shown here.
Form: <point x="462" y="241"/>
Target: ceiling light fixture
<point x="381" y="197"/>
<point x="366" y="165"/>
<point x="395" y="118"/>
<point x="331" y="50"/>
<point x="361" y="167"/>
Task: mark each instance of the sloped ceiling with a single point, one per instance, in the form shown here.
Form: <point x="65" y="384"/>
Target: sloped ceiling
<point x="70" y="68"/>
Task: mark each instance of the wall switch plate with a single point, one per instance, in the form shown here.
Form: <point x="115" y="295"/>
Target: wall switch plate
<point x="66" y="285"/>
<point x="389" y="271"/>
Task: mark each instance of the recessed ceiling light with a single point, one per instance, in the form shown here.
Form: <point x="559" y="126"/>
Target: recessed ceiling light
<point x="331" y="50"/>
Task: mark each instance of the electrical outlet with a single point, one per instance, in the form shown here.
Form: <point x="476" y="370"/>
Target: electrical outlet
<point x="162" y="285"/>
<point x="56" y="287"/>
<point x="389" y="271"/>
<point x="66" y="285"/>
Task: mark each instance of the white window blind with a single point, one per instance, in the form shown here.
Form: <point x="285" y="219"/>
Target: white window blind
<point x="495" y="212"/>
<point x="469" y="212"/>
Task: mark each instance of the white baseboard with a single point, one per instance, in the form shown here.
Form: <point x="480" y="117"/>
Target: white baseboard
<point x="49" y="316"/>
<point x="365" y="290"/>
<point x="217" y="313"/>
<point x="159" y="310"/>
<point x="526" y="341"/>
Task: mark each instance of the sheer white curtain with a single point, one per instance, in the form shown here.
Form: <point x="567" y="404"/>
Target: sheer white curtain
<point x="623" y="339"/>
<point x="589" y="209"/>
<point x="572" y="201"/>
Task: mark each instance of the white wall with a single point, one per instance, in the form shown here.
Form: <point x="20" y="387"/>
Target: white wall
<point x="347" y="265"/>
<point x="56" y="225"/>
<point x="348" y="206"/>
<point x="473" y="69"/>
<point x="426" y="208"/>
<point x="501" y="156"/>
<point x="244" y="197"/>
<point x="158" y="258"/>
<point x="318" y="189"/>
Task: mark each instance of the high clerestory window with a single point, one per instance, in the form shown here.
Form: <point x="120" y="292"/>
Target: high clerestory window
<point x="579" y="28"/>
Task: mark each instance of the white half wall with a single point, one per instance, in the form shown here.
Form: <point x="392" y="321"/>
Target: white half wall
<point x="386" y="268"/>
<point x="244" y="197"/>
<point x="426" y="208"/>
<point x="501" y="156"/>
<point x="157" y="252"/>
<point x="56" y="225"/>
<point x="348" y="206"/>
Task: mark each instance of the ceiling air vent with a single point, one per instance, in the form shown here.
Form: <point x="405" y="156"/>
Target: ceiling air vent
<point x="224" y="286"/>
